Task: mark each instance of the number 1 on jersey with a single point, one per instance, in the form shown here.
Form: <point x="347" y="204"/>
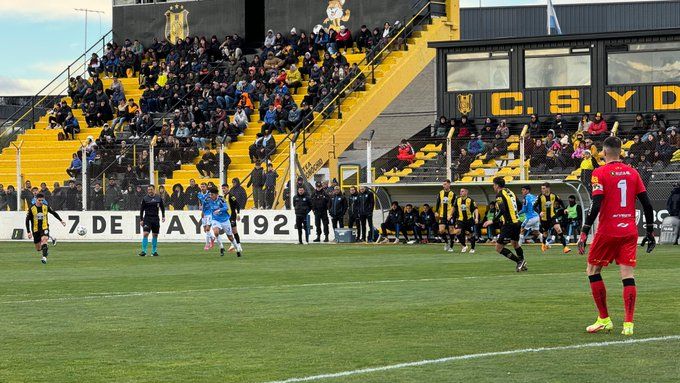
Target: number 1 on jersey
<point x="623" y="186"/>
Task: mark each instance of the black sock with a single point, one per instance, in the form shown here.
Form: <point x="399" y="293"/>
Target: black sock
<point x="509" y="255"/>
<point x="461" y="238"/>
<point x="563" y="240"/>
<point x="452" y="238"/>
<point x="444" y="238"/>
<point x="473" y="241"/>
<point x="520" y="253"/>
<point x="300" y="235"/>
<point x="237" y="238"/>
<point x="44" y="250"/>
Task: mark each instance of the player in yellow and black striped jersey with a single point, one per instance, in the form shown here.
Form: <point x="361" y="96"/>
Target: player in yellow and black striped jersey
<point x="466" y="218"/>
<point x="38" y="226"/>
<point x="443" y="212"/>
<point x="548" y="205"/>
<point x="507" y="214"/>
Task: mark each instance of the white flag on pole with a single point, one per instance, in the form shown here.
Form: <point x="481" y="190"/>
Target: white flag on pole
<point x="553" y="23"/>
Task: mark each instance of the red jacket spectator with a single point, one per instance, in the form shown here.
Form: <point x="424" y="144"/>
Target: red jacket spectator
<point x="598" y="126"/>
<point x="406" y="152"/>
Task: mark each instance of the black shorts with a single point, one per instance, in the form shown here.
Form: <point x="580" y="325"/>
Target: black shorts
<point x="153" y="227"/>
<point x="444" y="221"/>
<point x="37" y="235"/>
<point x="548" y="225"/>
<point x="466" y="226"/>
<point x="509" y="232"/>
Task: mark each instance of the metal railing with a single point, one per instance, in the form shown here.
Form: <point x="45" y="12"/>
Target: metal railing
<point x="27" y="115"/>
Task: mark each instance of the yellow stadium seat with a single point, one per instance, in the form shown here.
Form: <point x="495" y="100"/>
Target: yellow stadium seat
<point x="513" y="147"/>
<point x="416" y="164"/>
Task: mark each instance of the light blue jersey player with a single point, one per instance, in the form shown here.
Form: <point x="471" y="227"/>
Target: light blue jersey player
<point x="206" y="215"/>
<point x="532" y="221"/>
<point x="220" y="221"/>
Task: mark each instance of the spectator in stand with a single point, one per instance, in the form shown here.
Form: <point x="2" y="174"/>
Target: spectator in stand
<point x="343" y="39"/>
<point x="293" y="78"/>
<point x="588" y="164"/>
<point x="270" y="177"/>
<point x="405" y="154"/>
<point x="440" y="128"/>
<point x="584" y="123"/>
<point x="644" y="167"/>
<point x="268" y="145"/>
<point x="539" y="154"/>
<point x="663" y="151"/>
<point x="636" y="149"/>
<point x="489" y="126"/>
<point x="208" y="165"/>
<point x="499" y="148"/>
<point x="97" y="198"/>
<point x="11" y="198"/>
<point x="363" y="38"/>
<point x="94" y="66"/>
<point x="475" y="146"/>
<point x="656" y="127"/>
<point x="27" y="194"/>
<point x="535" y="127"/>
<point x="257" y="182"/>
<point x="238" y="192"/>
<point x="639" y="126"/>
<point x="503" y="130"/>
<point x="598" y="127"/>
<point x="464" y="128"/>
<point x="464" y="161"/>
<point x="559" y="125"/>
<point x="3" y="199"/>
<point x="112" y="196"/>
<point x="673" y="137"/>
<point x="76" y="166"/>
<point x="650" y="145"/>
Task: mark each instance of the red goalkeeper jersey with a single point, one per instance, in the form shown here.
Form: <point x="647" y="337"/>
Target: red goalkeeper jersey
<point x="619" y="184"/>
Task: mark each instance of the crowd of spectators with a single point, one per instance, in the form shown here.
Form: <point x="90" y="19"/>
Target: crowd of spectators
<point x="208" y="91"/>
<point x="559" y="145"/>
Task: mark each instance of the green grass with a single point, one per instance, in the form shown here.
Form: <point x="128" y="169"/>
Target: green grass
<point x="97" y="313"/>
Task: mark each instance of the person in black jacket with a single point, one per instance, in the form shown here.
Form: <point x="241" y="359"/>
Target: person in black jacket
<point x="353" y="210"/>
<point x="427" y="222"/>
<point x="191" y="195"/>
<point x="411" y="219"/>
<point x="97" y="199"/>
<point x="257" y="182"/>
<point x="395" y="218"/>
<point x="302" y="205"/>
<point x="320" y="207"/>
<point x="337" y="207"/>
<point x="239" y="193"/>
<point x="178" y="198"/>
<point x="366" y="205"/>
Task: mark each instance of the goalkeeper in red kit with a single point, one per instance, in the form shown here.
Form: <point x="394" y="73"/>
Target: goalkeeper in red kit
<point x="616" y="186"/>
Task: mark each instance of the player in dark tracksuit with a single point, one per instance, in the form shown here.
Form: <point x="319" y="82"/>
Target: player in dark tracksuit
<point x="366" y="206"/>
<point x="353" y="210"/>
<point x="337" y="207"/>
<point x="149" y="219"/>
<point x="410" y="222"/>
<point x="302" y="205"/>
<point x="320" y="207"/>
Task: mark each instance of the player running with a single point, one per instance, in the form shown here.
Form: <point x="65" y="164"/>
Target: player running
<point x="149" y="220"/>
<point x="444" y="214"/>
<point x="233" y="214"/>
<point x="547" y="206"/>
<point x="507" y="214"/>
<point x="531" y="223"/>
<point x="467" y="217"/>
<point x="220" y="220"/>
<point x="615" y="188"/>
<point x="38" y="226"/>
<point x="206" y="216"/>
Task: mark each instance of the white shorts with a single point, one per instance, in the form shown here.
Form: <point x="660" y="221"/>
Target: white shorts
<point x="532" y="224"/>
<point x="224" y="226"/>
<point x="207" y="220"/>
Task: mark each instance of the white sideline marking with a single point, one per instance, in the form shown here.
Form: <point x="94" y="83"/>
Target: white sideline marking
<point x="110" y="295"/>
<point x="475" y="356"/>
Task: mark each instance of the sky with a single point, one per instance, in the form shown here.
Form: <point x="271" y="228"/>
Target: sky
<point x="45" y="36"/>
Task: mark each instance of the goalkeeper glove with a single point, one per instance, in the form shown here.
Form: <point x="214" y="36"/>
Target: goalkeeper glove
<point x="649" y="239"/>
<point x="583" y="238"/>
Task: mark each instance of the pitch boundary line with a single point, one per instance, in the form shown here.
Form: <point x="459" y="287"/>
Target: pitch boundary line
<point x="426" y="362"/>
<point x="105" y="295"/>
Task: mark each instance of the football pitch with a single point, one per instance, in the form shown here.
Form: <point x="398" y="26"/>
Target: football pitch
<point x="335" y="313"/>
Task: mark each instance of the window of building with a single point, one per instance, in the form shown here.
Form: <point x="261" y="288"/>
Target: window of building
<point x="560" y="67"/>
<point x="644" y="64"/>
<point x="477" y="71"/>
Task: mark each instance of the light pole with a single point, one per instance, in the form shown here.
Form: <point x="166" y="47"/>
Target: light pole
<point x="100" y="27"/>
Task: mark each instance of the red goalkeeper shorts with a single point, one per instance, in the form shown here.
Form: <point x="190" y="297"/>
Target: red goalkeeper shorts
<point x="605" y="249"/>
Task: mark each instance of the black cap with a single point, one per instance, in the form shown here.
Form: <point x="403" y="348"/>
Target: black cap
<point x="318" y="184"/>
